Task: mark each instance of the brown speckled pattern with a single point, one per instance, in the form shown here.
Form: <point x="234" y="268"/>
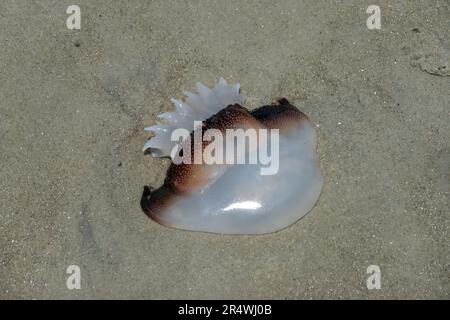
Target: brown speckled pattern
<point x="185" y="178"/>
<point x="280" y="115"/>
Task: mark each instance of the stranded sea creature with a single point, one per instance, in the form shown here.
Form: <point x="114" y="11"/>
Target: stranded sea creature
<point x="203" y="193"/>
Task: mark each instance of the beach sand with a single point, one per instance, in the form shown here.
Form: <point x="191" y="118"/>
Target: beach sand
<point x="73" y="105"/>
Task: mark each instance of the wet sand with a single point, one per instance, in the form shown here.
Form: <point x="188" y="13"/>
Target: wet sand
<point x="73" y="105"/>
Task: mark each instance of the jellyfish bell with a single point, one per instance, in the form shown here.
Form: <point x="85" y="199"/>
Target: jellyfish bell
<point x="253" y="197"/>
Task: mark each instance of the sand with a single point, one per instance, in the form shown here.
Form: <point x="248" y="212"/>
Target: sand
<point x="73" y="104"/>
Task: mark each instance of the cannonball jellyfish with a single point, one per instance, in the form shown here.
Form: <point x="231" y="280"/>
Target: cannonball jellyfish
<point x="233" y="197"/>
